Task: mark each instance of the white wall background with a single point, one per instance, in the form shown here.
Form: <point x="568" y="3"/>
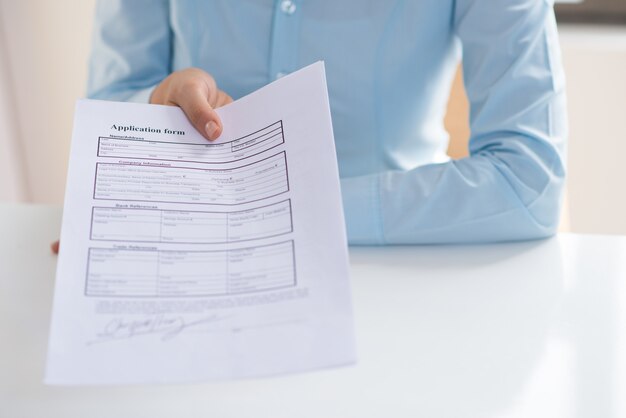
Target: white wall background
<point x="12" y="174"/>
<point x="43" y="51"/>
<point x="595" y="63"/>
<point x="43" y="63"/>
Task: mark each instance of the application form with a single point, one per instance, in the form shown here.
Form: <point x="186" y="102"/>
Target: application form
<point x="184" y="260"/>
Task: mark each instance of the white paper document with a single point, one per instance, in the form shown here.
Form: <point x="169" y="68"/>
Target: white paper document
<point x="184" y="260"/>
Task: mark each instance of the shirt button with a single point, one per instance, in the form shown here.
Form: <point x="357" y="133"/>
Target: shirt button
<point x="288" y="7"/>
<point x="280" y="75"/>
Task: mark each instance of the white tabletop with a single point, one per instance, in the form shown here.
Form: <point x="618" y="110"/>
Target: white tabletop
<point x="533" y="329"/>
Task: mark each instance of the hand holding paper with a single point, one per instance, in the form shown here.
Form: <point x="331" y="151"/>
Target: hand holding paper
<point x="185" y="260"/>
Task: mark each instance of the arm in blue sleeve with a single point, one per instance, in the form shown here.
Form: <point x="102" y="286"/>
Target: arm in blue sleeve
<point x="511" y="185"/>
<point x="131" y="49"/>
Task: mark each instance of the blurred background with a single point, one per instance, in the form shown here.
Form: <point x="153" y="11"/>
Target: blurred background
<point x="44" y="47"/>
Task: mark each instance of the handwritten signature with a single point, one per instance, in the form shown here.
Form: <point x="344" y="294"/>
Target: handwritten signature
<point x="168" y="327"/>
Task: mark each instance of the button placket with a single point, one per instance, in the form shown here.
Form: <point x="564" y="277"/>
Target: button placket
<point x="285" y="38"/>
<point x="288" y="7"/>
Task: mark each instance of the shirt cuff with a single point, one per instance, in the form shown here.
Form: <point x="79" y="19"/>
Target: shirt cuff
<point x="361" y="204"/>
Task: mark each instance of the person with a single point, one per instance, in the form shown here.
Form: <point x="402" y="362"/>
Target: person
<point x="389" y="67"/>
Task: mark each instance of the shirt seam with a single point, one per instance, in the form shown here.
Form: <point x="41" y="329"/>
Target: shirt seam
<point x="380" y="230"/>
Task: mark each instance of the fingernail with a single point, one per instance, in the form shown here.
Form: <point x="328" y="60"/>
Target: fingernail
<point x="211" y="130"/>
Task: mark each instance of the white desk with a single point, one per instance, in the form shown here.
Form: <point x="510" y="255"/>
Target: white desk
<point x="513" y="330"/>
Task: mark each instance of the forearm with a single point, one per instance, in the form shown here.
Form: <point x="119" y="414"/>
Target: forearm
<point x="488" y="197"/>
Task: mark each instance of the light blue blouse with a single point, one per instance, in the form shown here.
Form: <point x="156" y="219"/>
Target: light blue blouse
<point x="389" y="67"/>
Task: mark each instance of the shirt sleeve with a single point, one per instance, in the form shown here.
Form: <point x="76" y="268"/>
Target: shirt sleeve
<point x="510" y="188"/>
<point x="131" y="49"/>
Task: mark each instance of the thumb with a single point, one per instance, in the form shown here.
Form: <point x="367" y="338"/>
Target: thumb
<point x="201" y="114"/>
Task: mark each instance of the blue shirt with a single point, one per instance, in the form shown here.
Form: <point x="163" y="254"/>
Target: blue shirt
<point x="389" y="67"/>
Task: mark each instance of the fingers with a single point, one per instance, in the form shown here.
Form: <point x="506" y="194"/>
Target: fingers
<point x="54" y="247"/>
<point x="222" y="100"/>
